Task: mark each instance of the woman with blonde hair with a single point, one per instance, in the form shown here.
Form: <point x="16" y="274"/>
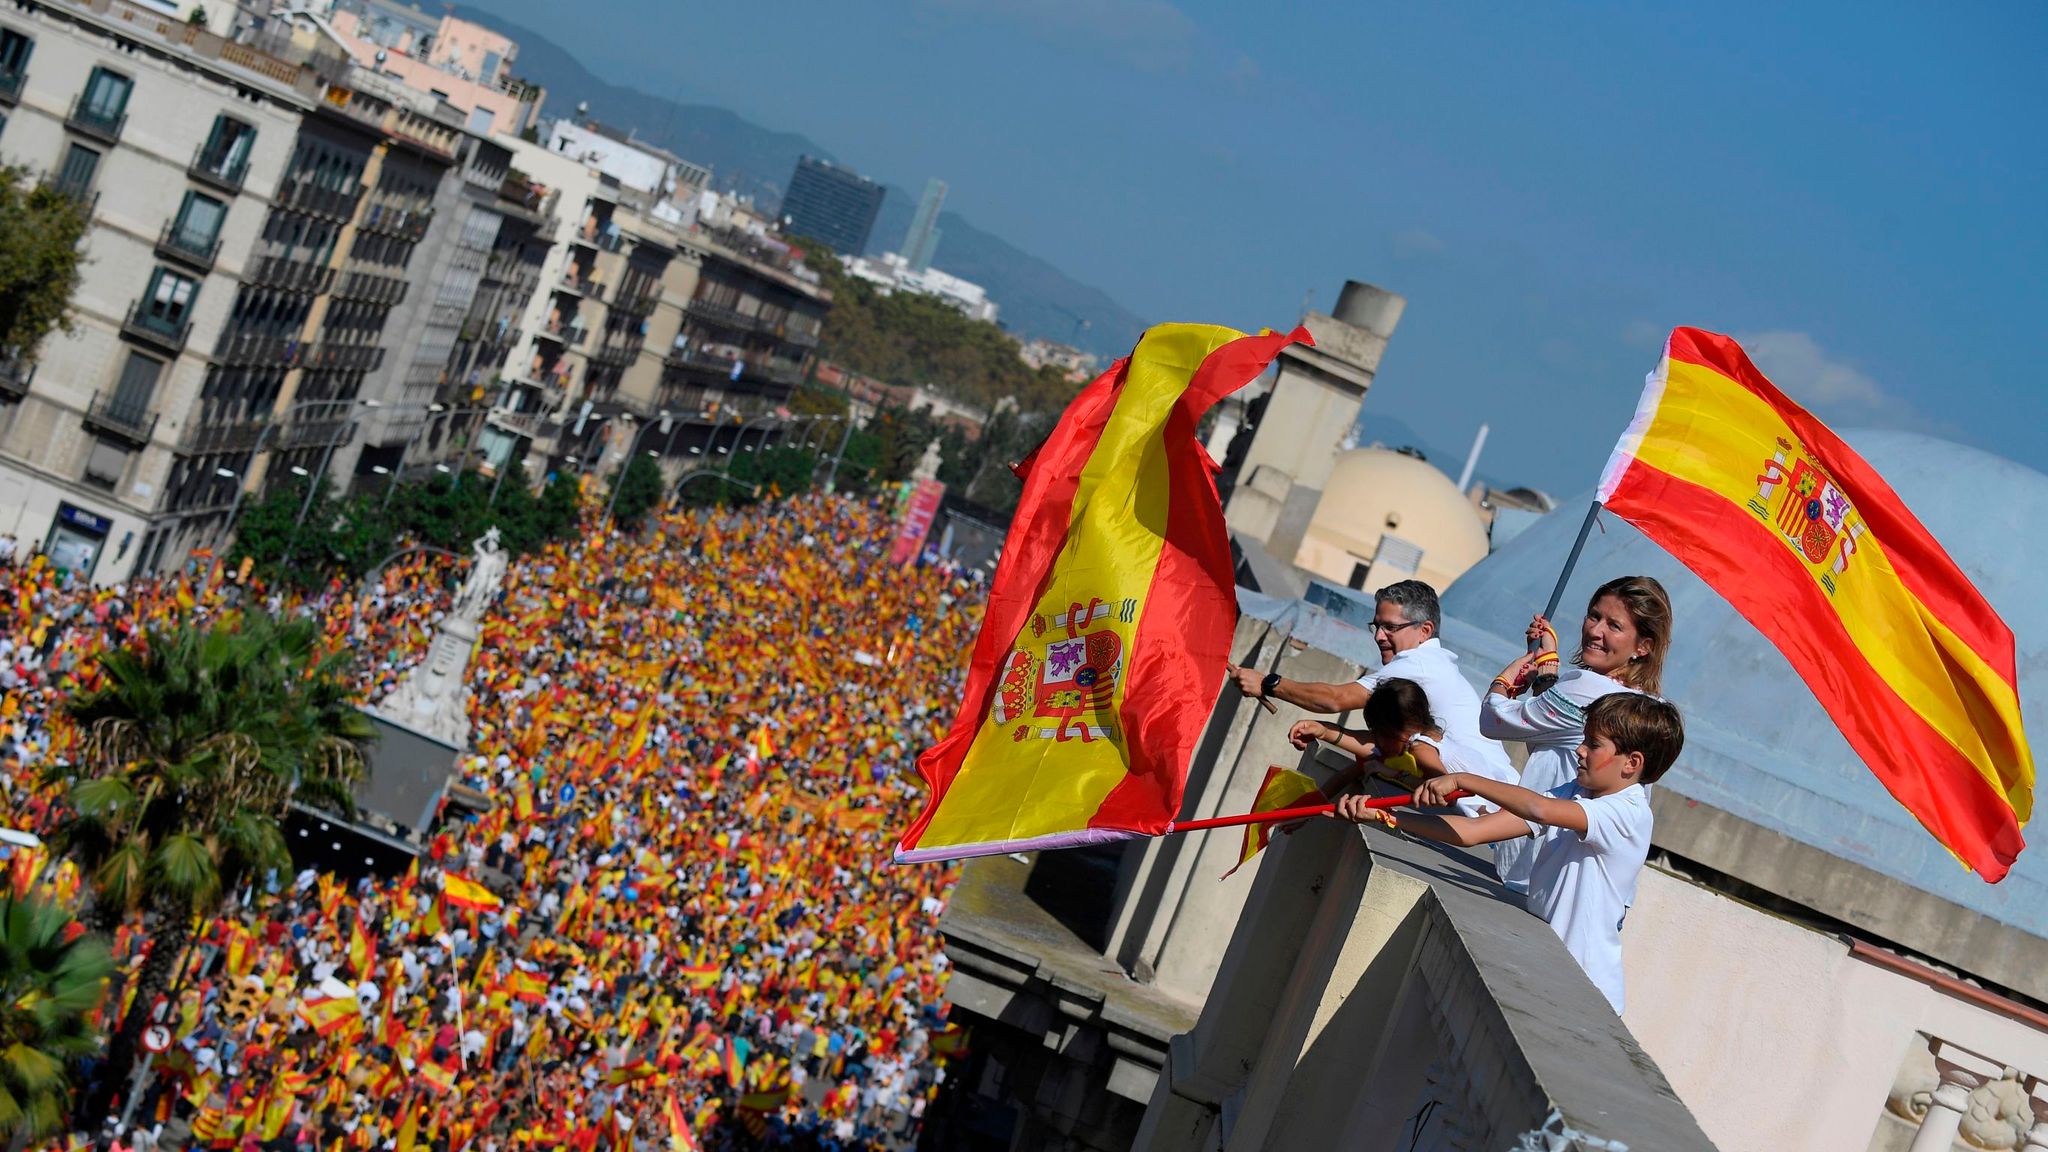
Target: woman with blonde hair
<point x="1623" y="640"/>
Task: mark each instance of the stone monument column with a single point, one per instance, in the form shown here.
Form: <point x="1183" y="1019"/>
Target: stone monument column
<point x="434" y="697"/>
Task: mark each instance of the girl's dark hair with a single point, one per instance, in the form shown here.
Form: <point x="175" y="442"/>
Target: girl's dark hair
<point x="1396" y="705"/>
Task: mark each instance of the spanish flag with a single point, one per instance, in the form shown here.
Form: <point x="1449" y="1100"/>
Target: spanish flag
<point x="699" y="975"/>
<point x="769" y="1097"/>
<point x="1282" y="788"/>
<point x="468" y="895"/>
<point x="679" y="1138"/>
<point x="734" y="1063"/>
<point x="1108" y="626"/>
<point x="362" y="953"/>
<point x="1812" y="547"/>
<point x="527" y="987"/>
<point x="328" y="1015"/>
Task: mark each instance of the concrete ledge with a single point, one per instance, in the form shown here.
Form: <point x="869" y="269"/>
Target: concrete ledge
<point x="1372" y="975"/>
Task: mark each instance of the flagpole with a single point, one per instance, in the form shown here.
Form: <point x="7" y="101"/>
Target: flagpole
<point x="1289" y="814"/>
<point x="1541" y="683"/>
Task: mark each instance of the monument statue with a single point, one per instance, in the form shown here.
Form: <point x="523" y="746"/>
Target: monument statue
<point x="927" y="465"/>
<point x="434" y="696"/>
<point x="486" y="573"/>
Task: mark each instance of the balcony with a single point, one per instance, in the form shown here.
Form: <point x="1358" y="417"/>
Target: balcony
<point x="11" y="81"/>
<point x="15" y="377"/>
<point x="640" y="306"/>
<point x="701" y="361"/>
<point x="247" y="350"/>
<point x="722" y="315"/>
<point x="218" y="170"/>
<point x="158" y="332"/>
<point x="574" y="285"/>
<point x="615" y="355"/>
<point x="126" y="420"/>
<point x="212" y="439"/>
<point x="183" y="246"/>
<point x="399" y="223"/>
<point x="371" y="288"/>
<point x="571" y="334"/>
<point x="96" y="123"/>
<point x="314" y="200"/>
<point x="345" y="357"/>
<point x="292" y="275"/>
<point x="800" y="338"/>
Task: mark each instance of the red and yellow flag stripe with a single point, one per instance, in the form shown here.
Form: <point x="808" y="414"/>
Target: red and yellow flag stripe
<point x="1811" y="546"/>
<point x="1108" y="624"/>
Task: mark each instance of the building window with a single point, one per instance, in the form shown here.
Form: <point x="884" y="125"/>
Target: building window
<point x="15" y="50"/>
<point x="104" y="104"/>
<point x="137" y="387"/>
<point x="199" y="222"/>
<point x="75" y="175"/>
<point x="107" y="464"/>
<point x="225" y="155"/>
<point x="169" y="303"/>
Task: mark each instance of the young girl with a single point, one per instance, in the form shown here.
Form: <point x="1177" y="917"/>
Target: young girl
<point x="1399" y="720"/>
<point x="1622" y="643"/>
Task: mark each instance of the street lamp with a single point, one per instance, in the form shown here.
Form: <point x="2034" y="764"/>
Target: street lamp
<point x="619" y="485"/>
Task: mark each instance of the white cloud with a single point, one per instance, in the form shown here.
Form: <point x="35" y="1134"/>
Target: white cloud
<point x="1799" y="366"/>
<point x="1415" y="243"/>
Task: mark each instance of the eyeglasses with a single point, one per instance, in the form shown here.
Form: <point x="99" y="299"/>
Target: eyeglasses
<point x="1390" y="629"/>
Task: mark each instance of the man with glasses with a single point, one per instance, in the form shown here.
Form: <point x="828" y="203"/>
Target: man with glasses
<point x="1406" y="617"/>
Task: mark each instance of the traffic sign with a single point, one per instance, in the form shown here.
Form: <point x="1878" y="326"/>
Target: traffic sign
<point x="156" y="1038"/>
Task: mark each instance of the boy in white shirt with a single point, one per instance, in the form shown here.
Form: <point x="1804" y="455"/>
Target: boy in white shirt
<point x="1592" y="834"/>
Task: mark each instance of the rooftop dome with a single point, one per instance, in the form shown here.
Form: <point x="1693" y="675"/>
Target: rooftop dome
<point x="1378" y="492"/>
<point x="1758" y="746"/>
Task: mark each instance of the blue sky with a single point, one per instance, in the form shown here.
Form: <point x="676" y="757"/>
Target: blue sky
<point x="1861" y="193"/>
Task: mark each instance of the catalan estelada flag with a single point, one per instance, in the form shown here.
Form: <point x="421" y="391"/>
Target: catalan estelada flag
<point x="1811" y="546"/>
<point x="1107" y="630"/>
<point x="1282" y="788"/>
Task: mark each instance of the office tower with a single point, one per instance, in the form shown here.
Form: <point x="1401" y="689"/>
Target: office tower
<point x="834" y="205"/>
<point x="922" y="242"/>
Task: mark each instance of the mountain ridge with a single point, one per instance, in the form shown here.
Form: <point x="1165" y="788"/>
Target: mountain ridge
<point x="1035" y="298"/>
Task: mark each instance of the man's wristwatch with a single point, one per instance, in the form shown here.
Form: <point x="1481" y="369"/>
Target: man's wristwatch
<point x="1267" y="685"/>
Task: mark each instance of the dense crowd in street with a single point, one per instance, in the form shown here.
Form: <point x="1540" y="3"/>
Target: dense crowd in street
<point x="676" y="925"/>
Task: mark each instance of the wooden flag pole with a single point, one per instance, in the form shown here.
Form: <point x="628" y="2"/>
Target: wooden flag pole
<point x="1541" y="683"/>
<point x="1288" y="814"/>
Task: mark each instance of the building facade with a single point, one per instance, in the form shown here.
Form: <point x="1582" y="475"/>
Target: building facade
<point x="832" y="205"/>
<point x="921" y="243"/>
<point x="174" y="139"/>
<point x="456" y="60"/>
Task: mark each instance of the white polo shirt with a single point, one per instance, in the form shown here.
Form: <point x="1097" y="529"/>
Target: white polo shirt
<point x="1451" y="700"/>
<point x="1583" y="885"/>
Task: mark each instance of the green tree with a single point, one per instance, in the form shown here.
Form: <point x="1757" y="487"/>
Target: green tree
<point x="51" y="982"/>
<point x="637" y="490"/>
<point x="561" y="508"/>
<point x="284" y="549"/>
<point x="40" y="230"/>
<point x="193" y="746"/>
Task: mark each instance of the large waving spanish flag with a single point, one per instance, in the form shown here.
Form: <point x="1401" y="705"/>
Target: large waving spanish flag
<point x="1108" y="626"/>
<point x="1810" y="544"/>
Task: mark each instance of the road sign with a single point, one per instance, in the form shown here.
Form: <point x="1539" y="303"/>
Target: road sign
<point x="156" y="1038"/>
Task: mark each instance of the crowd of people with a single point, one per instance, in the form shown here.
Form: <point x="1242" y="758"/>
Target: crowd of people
<point x="675" y="925"/>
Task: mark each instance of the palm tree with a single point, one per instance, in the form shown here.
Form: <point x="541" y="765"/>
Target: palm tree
<point x="51" y="980"/>
<point x="195" y="743"/>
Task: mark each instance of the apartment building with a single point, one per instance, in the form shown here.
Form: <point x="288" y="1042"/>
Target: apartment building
<point x="293" y="268"/>
<point x="452" y="59"/>
<point x="750" y="327"/>
<point x="169" y="135"/>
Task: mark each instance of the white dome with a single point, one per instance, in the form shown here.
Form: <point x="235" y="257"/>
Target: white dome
<point x="1373" y="493"/>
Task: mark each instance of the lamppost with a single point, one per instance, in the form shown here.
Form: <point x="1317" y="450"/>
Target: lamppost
<point x="320" y="473"/>
<point x="436" y="409"/>
<point x="262" y="438"/>
<point x="619" y="485"/>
